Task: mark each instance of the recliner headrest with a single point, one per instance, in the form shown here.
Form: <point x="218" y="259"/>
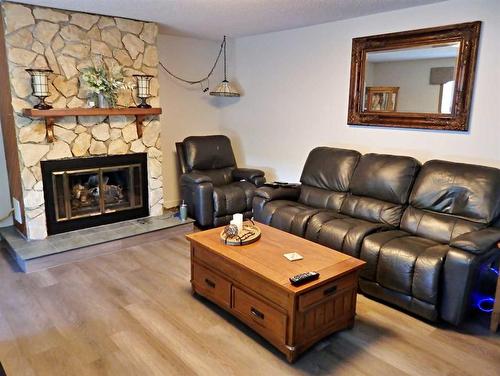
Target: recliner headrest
<point x="329" y="168"/>
<point x="208" y="152"/>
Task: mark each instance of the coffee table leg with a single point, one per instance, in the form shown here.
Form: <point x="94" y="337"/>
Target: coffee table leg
<point x="291" y="356"/>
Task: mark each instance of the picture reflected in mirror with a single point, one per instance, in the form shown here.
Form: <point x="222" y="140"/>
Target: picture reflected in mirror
<point x="417" y="79"/>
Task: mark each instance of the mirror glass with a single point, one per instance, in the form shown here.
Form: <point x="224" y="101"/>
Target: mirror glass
<point x="416" y="79"/>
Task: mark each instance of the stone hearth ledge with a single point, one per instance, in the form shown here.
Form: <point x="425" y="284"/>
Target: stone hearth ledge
<point x="24" y="250"/>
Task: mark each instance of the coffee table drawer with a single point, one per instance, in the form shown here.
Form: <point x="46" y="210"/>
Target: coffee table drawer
<point x="211" y="285"/>
<point x="260" y="315"/>
<point x="327" y="291"/>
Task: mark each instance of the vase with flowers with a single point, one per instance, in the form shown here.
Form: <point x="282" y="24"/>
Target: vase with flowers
<point x="104" y="82"/>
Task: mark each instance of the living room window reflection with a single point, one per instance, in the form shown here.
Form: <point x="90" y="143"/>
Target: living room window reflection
<point x="446" y="98"/>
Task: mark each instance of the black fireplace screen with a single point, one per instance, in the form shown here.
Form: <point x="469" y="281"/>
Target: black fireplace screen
<point x="86" y="192"/>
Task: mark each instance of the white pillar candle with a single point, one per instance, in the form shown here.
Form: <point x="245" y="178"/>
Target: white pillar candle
<point x="238" y="221"/>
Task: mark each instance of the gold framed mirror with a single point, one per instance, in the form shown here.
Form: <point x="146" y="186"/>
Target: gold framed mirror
<point x="414" y="79"/>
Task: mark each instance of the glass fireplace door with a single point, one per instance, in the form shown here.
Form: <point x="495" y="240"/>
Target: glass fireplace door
<point x="91" y="192"/>
<point x="121" y="188"/>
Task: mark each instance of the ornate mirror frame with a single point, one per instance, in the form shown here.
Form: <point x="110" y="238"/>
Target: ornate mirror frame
<point x="468" y="36"/>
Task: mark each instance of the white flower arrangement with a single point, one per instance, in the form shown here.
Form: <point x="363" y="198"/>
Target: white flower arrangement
<point x="103" y="80"/>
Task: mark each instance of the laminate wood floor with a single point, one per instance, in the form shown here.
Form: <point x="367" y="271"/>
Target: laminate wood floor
<point x="132" y="313"/>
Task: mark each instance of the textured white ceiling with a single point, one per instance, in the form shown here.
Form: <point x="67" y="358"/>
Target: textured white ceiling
<point x="211" y="19"/>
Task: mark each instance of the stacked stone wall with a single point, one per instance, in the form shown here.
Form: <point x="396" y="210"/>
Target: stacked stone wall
<point x="67" y="42"/>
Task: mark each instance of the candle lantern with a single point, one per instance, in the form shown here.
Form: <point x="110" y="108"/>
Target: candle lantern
<point x="143" y="89"/>
<point x="40" y="86"/>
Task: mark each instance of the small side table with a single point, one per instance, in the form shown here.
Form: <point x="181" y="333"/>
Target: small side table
<point x="495" y="316"/>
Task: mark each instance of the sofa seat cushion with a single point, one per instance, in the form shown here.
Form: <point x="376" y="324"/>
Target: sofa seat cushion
<point x="403" y="263"/>
<point x="321" y="198"/>
<point x="289" y="216"/>
<point x="229" y="199"/>
<point x="340" y="232"/>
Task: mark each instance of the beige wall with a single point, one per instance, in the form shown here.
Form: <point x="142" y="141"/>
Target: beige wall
<point x="296" y="87"/>
<point x="187" y="111"/>
<point x="416" y="94"/>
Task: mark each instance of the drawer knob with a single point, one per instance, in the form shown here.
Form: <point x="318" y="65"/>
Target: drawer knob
<point x="257" y="313"/>
<point x="330" y="290"/>
<point x="210" y="283"/>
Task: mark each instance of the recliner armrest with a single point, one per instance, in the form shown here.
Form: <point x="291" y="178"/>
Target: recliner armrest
<point x="280" y="193"/>
<point x="195" y="178"/>
<point x="252" y="175"/>
<point x="479" y="241"/>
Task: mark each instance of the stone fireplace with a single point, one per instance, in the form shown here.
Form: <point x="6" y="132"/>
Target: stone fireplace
<point x="85" y="192"/>
<point x="67" y="42"/>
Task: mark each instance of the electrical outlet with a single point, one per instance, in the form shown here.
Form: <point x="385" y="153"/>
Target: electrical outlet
<point x="17" y="211"/>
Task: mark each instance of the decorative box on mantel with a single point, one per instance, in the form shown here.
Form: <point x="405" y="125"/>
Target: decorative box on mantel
<point x="67" y="42"/>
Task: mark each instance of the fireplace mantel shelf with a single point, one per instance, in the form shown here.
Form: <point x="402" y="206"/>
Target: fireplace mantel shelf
<point x="51" y="115"/>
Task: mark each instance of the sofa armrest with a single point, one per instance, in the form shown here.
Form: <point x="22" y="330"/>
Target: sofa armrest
<point x="249" y="174"/>
<point x="460" y="281"/>
<point x="278" y="193"/>
<point x="195" y="178"/>
<point x="477" y="242"/>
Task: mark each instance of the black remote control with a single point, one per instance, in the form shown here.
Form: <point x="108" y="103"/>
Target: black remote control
<point x="300" y="279"/>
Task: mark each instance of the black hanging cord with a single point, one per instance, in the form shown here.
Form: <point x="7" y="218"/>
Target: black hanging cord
<point x="204" y="79"/>
<point x="224" y="42"/>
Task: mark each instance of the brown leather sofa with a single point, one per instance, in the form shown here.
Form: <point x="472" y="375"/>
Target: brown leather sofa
<point x="425" y="232"/>
<point x="211" y="184"/>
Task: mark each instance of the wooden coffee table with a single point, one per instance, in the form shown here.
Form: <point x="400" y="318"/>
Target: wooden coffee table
<point x="251" y="282"/>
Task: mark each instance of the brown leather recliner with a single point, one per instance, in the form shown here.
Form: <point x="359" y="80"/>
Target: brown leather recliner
<point x="211" y="184"/>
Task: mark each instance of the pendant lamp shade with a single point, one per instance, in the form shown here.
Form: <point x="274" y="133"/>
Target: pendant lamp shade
<point x="225" y="89"/>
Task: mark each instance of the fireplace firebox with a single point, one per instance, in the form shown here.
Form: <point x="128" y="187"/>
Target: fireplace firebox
<point x="92" y="191"/>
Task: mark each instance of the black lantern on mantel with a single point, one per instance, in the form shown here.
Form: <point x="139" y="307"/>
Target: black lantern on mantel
<point x="143" y="89"/>
<point x="40" y="86"/>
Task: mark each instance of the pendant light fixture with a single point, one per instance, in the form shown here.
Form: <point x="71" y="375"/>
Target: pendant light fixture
<point x="225" y="89"/>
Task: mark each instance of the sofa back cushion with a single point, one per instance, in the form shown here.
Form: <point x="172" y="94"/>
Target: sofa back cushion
<point x="321" y="198"/>
<point x="436" y="226"/>
<point x="208" y="152"/>
<point x="380" y="187"/>
<point x="329" y="168"/>
<point x="372" y="210"/>
<point x="326" y="176"/>
<point x="465" y="191"/>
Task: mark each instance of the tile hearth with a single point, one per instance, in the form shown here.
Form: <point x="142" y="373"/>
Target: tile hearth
<point x="25" y="251"/>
